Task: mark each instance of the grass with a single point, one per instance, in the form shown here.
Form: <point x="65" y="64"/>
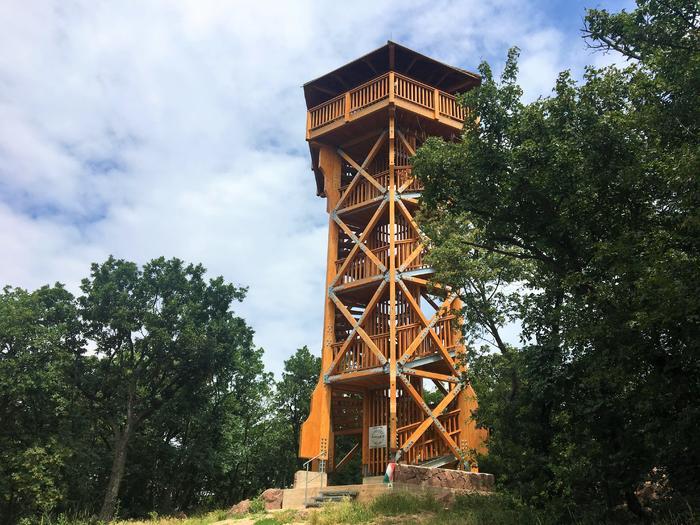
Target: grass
<point x="199" y="519"/>
<point x="400" y="507"/>
<point x="395" y="508"/>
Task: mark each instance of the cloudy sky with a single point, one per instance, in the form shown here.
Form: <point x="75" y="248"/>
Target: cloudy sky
<point x="176" y="128"/>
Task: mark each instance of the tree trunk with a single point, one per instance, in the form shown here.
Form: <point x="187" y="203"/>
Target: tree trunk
<point x="121" y="441"/>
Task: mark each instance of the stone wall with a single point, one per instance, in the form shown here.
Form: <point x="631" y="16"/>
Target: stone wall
<point x="445" y="478"/>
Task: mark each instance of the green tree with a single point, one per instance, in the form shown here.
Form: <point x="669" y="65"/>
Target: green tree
<point x="587" y="202"/>
<point x="37" y="332"/>
<point x="292" y="403"/>
<point x="160" y="334"/>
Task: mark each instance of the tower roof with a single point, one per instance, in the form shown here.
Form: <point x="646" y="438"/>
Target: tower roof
<point x="394" y="57"/>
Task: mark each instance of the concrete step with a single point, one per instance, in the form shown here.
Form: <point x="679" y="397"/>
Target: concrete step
<point x="330" y="496"/>
<point x="341" y="493"/>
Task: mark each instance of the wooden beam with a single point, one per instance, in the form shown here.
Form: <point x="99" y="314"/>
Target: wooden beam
<point x="347" y="456"/>
<point x="410" y="66"/>
<point x="393" y="417"/>
<point x="430" y="375"/>
<point x="430" y="300"/>
<point x="440" y="387"/>
<point x="406" y="144"/>
<point x="411" y="220"/>
<point x="348" y="376"/>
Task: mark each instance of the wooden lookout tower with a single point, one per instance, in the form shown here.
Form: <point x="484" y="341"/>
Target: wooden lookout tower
<point x="390" y="336"/>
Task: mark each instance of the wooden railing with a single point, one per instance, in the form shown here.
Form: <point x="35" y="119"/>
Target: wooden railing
<point x="430" y="445"/>
<point x="443" y="329"/>
<point x="367" y="94"/>
<point x="358" y="356"/>
<point x="382" y="88"/>
<point x="403" y="175"/>
<point x="415" y="92"/>
<point x="362" y="266"/>
<point x="364" y="190"/>
<point x="327" y="112"/>
<point x="449" y="107"/>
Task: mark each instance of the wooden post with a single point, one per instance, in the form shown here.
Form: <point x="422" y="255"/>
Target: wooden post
<point x="365" y="432"/>
<point x="347" y="106"/>
<point x="393" y="445"/>
<point x="392" y="89"/>
<point x="436" y="102"/>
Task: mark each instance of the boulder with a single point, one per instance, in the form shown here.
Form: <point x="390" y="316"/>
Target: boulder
<point x="273" y="498"/>
<point x="240" y="508"/>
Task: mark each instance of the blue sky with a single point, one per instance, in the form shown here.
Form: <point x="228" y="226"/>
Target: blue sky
<point x="176" y="128"/>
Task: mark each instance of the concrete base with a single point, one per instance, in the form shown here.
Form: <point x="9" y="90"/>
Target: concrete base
<point x="294" y="498"/>
<point x="372" y="480"/>
<point x="315" y="479"/>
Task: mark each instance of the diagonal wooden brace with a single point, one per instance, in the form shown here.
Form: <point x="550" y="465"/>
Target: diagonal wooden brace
<point x="406" y="144"/>
<point x="358" y="177"/>
<point x="361" y="242"/>
<point x="428" y="330"/>
<point x="423" y="237"/>
<point x="360" y="321"/>
<point x="411" y="257"/>
<point x="362" y="245"/>
<point x="353" y="322"/>
<point x="362" y="171"/>
<point x="431" y="420"/>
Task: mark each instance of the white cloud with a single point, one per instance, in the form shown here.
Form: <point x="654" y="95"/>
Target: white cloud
<point x="176" y="128"/>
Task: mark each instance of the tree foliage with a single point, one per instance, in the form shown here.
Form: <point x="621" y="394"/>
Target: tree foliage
<point x="144" y="394"/>
<point x="578" y="215"/>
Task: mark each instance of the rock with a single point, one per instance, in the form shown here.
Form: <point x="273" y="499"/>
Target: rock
<point x="273" y="498"/>
<point x="242" y="507"/>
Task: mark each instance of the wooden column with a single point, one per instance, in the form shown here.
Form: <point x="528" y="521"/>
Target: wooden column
<point x="393" y="445"/>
